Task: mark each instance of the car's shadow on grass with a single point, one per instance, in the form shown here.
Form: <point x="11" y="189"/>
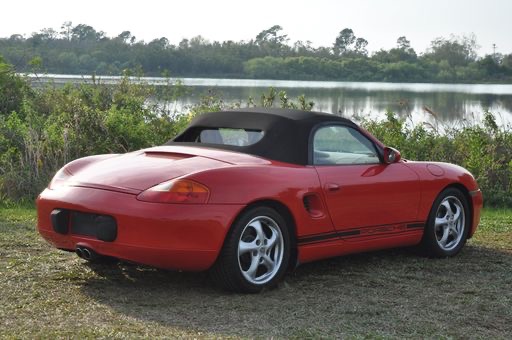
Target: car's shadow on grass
<point x="394" y="292"/>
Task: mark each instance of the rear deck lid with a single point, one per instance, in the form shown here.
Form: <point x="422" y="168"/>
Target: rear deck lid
<point x="140" y="170"/>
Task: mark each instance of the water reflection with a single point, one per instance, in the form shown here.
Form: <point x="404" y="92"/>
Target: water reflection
<point x="448" y="102"/>
<point x="355" y="102"/>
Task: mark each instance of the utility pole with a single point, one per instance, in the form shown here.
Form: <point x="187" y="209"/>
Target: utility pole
<point x="494" y="51"/>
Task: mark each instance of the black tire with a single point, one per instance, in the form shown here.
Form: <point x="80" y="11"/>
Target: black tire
<point x="452" y="214"/>
<point x="256" y="252"/>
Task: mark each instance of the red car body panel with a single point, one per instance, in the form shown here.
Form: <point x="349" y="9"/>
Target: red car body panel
<point x="434" y="177"/>
<point x="174" y="236"/>
<point x="334" y="210"/>
<point x="367" y="195"/>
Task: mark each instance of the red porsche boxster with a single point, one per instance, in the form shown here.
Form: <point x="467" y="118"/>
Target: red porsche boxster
<point x="251" y="193"/>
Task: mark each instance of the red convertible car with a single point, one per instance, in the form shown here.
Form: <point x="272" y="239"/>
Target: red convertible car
<point x="251" y="193"/>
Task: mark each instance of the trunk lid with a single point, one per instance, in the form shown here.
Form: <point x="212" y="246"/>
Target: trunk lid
<point x="137" y="171"/>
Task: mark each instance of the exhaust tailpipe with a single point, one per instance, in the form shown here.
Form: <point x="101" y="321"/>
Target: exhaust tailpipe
<point x="87" y="254"/>
<point x="79" y="252"/>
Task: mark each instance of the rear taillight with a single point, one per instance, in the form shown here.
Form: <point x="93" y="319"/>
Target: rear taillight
<point x="176" y="191"/>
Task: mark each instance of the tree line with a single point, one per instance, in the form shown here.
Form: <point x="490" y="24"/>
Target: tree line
<point x="81" y="49"/>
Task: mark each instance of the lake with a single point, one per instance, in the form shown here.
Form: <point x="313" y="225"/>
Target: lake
<point x="450" y="103"/>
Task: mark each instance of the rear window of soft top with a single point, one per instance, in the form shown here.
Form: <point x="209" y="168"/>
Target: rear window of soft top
<point x="223" y="136"/>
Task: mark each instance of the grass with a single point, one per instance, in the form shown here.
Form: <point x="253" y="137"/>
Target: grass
<point x="46" y="293"/>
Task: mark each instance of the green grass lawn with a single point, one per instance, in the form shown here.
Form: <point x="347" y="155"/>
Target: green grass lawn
<point x="396" y="293"/>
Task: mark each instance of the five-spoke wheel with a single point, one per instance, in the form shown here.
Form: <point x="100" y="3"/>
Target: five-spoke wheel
<point x="260" y="250"/>
<point x="256" y="252"/>
<point x="448" y="224"/>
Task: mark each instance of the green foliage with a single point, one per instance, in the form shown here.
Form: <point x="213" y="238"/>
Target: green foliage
<point x="12" y="89"/>
<point x="52" y="126"/>
<point x="46" y="128"/>
<point x="56" y="125"/>
<point x="457" y="51"/>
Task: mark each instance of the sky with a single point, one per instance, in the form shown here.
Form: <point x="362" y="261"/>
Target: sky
<point x="380" y="22"/>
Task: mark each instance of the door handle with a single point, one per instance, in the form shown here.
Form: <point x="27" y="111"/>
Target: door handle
<point x="332" y="187"/>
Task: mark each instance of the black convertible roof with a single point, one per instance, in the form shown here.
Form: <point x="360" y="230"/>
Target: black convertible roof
<point x="286" y="132"/>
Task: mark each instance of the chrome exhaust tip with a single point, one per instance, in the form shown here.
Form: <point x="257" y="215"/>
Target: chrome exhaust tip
<point x="79" y="252"/>
<point x="87" y="254"/>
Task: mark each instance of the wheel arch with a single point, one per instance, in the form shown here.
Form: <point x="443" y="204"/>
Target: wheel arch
<point x="286" y="213"/>
<point x="465" y="192"/>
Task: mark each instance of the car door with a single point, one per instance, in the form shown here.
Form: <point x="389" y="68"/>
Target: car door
<point x="360" y="190"/>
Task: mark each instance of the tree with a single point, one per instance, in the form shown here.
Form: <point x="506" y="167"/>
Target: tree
<point x="360" y="47"/>
<point x="457" y="51"/>
<point x="161" y="43"/>
<point x="271" y="36"/>
<point x="403" y="43"/>
<point x="198" y="42"/>
<point x="83" y="32"/>
<point x="184" y="44"/>
<point x="343" y="41"/>
<point x="49" y="34"/>
<point x="125" y="36"/>
<point x="16" y="37"/>
<point x="303" y="48"/>
<point x="66" y="28"/>
<point x="271" y="41"/>
<point x="13" y="89"/>
<point x="491" y="67"/>
<point x="506" y="61"/>
<point x="403" y="52"/>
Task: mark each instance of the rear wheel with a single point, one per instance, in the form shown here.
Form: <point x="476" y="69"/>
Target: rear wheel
<point x="448" y="224"/>
<point x="256" y="252"/>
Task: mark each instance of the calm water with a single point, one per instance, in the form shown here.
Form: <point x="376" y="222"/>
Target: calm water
<point x="451" y="103"/>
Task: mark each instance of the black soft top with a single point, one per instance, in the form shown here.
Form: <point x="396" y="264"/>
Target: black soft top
<point x="286" y="132"/>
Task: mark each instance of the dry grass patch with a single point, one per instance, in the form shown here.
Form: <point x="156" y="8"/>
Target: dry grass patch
<point x="395" y="293"/>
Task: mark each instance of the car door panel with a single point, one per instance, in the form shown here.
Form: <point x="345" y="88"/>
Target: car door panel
<point x="366" y="195"/>
<point x="360" y="190"/>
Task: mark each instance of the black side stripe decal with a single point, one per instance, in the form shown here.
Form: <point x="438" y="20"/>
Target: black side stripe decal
<point x="361" y="232"/>
<point x="327" y="236"/>
<point x="415" y="225"/>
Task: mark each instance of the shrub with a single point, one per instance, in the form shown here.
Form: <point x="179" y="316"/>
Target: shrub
<point x="49" y="127"/>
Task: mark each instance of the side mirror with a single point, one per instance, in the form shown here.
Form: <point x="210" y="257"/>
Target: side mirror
<point x="391" y="155"/>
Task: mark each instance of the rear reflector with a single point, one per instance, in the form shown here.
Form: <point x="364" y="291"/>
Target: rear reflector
<point x="60" y="220"/>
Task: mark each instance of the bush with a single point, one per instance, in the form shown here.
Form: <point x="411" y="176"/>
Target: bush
<point x="12" y="89"/>
<point x="53" y="126"/>
<point x="46" y="128"/>
<point x="57" y="125"/>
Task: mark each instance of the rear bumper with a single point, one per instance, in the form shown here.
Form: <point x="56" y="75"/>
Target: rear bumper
<point x="172" y="236"/>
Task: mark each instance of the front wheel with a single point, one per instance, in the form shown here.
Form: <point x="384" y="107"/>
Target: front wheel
<point x="448" y="224"/>
<point x="256" y="252"/>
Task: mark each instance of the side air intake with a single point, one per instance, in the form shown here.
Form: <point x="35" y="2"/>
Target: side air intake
<point x="313" y="205"/>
